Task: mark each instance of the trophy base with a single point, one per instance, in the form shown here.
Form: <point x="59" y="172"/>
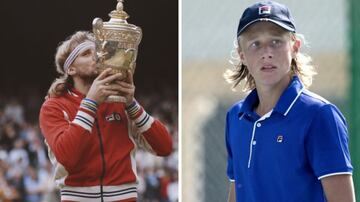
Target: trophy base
<point x="115" y="98"/>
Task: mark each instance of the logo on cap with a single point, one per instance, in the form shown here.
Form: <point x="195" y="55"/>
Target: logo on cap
<point x="280" y="139"/>
<point x="264" y="10"/>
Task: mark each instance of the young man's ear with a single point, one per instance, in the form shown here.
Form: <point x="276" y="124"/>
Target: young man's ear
<point x="242" y="56"/>
<point x="295" y="47"/>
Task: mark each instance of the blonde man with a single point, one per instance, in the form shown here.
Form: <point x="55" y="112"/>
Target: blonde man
<point x="284" y="142"/>
<point x="92" y="143"/>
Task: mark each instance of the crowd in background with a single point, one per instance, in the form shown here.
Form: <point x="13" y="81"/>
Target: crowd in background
<point x="26" y="172"/>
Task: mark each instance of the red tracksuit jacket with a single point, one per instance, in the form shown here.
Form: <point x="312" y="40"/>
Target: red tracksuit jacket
<point x="93" y="147"/>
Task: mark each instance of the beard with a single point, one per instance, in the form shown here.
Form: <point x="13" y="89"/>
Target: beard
<point x="88" y="77"/>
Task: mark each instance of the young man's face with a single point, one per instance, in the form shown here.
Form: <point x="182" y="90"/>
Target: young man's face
<point x="85" y="66"/>
<point x="267" y="50"/>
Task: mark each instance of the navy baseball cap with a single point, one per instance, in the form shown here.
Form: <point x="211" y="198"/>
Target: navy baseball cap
<point x="269" y="11"/>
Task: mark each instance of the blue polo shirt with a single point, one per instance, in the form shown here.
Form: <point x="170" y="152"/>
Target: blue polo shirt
<point x="283" y="155"/>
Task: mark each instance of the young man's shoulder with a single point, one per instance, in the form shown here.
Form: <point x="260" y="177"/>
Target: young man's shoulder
<point x="313" y="99"/>
<point x="317" y="104"/>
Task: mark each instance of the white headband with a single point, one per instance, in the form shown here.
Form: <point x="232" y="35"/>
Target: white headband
<point x="77" y="51"/>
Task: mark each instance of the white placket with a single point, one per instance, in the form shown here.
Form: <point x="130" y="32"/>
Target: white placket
<point x="252" y="142"/>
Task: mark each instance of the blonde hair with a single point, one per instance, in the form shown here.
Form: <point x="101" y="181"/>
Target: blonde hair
<point x="64" y="81"/>
<point x="300" y="66"/>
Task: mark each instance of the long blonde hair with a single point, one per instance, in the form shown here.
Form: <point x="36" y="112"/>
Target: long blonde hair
<point x="64" y="81"/>
<point x="300" y="65"/>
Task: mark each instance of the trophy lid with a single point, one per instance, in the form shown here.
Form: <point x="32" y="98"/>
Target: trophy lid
<point x="118" y="20"/>
<point x="116" y="41"/>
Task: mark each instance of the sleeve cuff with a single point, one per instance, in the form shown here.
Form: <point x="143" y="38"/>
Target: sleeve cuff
<point x="86" y="114"/>
<point x="333" y="174"/>
<point x="142" y="119"/>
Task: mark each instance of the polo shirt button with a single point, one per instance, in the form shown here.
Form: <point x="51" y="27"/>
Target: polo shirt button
<point x="254" y="142"/>
<point x="258" y="124"/>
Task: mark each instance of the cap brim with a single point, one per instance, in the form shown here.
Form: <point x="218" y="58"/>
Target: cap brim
<point x="281" y="24"/>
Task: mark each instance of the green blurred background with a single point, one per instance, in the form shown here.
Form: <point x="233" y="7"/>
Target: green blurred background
<point x="208" y="32"/>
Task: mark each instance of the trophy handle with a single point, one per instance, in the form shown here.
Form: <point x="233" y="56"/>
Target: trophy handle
<point x="98" y="29"/>
<point x="99" y="39"/>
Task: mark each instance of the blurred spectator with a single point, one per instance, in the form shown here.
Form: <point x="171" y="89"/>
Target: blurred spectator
<point x="7" y="192"/>
<point x="152" y="191"/>
<point x="164" y="178"/>
<point x="14" y="111"/>
<point x="8" y="135"/>
<point x="18" y="156"/>
<point x="172" y="161"/>
<point x="35" y="184"/>
<point x="173" y="187"/>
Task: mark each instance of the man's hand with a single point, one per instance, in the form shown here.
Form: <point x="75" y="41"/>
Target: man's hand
<point x="126" y="88"/>
<point x="103" y="86"/>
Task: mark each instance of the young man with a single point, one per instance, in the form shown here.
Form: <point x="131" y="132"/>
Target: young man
<point x="284" y="142"/>
<point x="92" y="143"/>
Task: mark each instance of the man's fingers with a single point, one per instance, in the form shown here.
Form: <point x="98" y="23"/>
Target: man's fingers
<point x="129" y="77"/>
<point x="125" y="90"/>
<point x="110" y="92"/>
<point x="120" y="88"/>
<point x="104" y="74"/>
<point x="123" y="83"/>
<point x="111" y="78"/>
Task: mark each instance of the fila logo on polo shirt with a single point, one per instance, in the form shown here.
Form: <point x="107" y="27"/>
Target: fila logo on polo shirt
<point x="279" y="139"/>
<point x="113" y="117"/>
<point x="264" y="10"/>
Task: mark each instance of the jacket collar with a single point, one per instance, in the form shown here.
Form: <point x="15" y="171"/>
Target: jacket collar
<point x="74" y="94"/>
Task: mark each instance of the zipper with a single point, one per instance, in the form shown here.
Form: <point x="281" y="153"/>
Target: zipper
<point x="102" y="160"/>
